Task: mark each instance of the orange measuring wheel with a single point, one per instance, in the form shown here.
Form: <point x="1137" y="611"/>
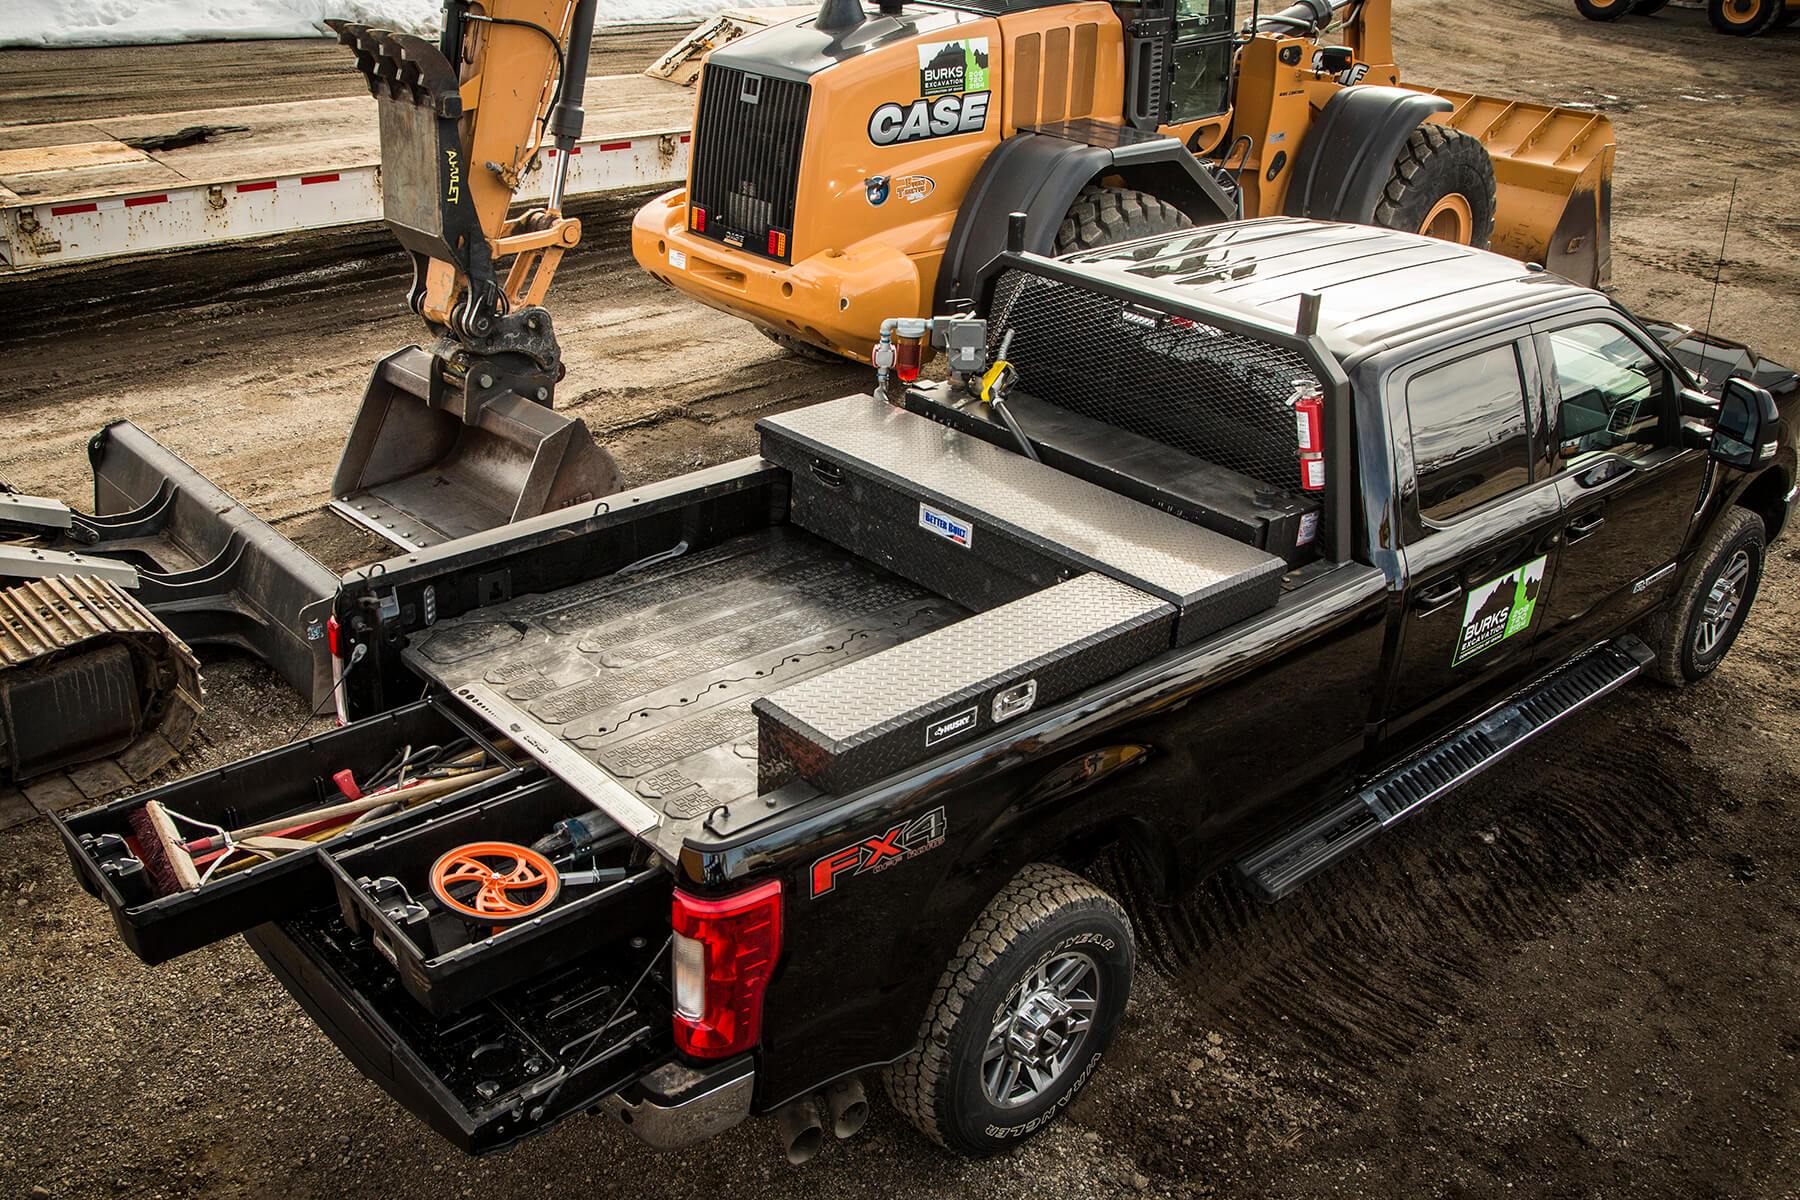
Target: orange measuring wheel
<point x="495" y="881"/>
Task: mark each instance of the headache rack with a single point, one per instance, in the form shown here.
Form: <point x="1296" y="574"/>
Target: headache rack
<point x="1202" y="376"/>
<point x="748" y="133"/>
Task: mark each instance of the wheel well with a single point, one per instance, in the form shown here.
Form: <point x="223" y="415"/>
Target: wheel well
<point x="1764" y="497"/>
<point x="1168" y="182"/>
<point x="1150" y="847"/>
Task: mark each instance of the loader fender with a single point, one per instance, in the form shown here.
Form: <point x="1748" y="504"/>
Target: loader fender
<point x="1040" y="174"/>
<point x="1349" y="153"/>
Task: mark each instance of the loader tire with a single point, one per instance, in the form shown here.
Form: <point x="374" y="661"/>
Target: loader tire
<point x="1744" y="18"/>
<point x="1789" y="15"/>
<point x="1644" y="8"/>
<point x="1050" y="959"/>
<point x="803" y="349"/>
<point x="1606" y="10"/>
<point x="1104" y="215"/>
<point x="1442" y="186"/>
<point x="1694" y="632"/>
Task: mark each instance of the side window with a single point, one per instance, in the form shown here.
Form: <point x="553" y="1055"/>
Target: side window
<point x="1470" y="438"/>
<point x="1614" y="394"/>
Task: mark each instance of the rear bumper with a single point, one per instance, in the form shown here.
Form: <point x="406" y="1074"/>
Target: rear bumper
<point x="676" y="1106"/>
<point x="836" y="299"/>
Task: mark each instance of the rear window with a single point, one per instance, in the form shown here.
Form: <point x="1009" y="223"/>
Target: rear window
<point x="1470" y="438"/>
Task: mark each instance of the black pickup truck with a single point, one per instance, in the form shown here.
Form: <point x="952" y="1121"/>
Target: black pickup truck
<point x="1282" y="530"/>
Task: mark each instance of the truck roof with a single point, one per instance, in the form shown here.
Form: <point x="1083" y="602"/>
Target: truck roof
<point x="1378" y="287"/>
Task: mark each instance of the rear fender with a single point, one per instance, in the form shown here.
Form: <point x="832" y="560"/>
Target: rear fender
<point x="1040" y="175"/>
<point x="1349" y="153"/>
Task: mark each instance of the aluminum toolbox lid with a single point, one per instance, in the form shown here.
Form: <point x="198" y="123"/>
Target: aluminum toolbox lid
<point x="852" y="725"/>
<point x="1080" y="523"/>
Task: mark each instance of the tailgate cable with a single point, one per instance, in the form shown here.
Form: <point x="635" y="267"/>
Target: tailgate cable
<point x="593" y="1053"/>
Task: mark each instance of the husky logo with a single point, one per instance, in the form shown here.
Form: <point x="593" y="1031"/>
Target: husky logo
<point x="908" y="839"/>
<point x="875" y="187"/>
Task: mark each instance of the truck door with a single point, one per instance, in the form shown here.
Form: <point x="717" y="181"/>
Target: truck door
<point x="1480" y="524"/>
<point x="1629" y="486"/>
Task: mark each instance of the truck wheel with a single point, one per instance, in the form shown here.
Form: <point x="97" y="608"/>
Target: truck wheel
<point x="1743" y="18"/>
<point x="802" y="349"/>
<point x="1605" y="10"/>
<point x="1442" y="186"/>
<point x="1103" y="215"/>
<point x="1703" y="618"/>
<point x="1021" y="1016"/>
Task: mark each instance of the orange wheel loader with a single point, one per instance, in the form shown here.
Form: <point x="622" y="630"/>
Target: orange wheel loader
<point x="851" y="166"/>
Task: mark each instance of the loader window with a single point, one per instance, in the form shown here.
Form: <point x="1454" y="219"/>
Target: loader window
<point x="1200" y="71"/>
<point x="1470" y="437"/>
<point x="1614" y="393"/>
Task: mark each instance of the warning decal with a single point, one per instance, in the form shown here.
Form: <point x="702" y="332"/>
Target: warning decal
<point x="1498" y="609"/>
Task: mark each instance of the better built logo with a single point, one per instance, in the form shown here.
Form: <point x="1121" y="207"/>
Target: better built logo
<point x="1498" y="609"/>
<point x="946" y="68"/>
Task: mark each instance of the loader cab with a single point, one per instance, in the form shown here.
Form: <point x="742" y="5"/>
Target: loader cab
<point x="1178" y="61"/>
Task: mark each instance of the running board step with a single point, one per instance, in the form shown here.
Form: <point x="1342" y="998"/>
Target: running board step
<point x="1289" y="861"/>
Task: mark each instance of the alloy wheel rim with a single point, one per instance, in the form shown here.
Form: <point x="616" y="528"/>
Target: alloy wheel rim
<point x="1723" y="603"/>
<point x="1040" y="1029"/>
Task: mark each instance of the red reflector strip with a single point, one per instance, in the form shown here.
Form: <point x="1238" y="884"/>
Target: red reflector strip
<point x="69" y="210"/>
<point x="686" y="138"/>
<point x="266" y="185"/>
<point x="331" y="178"/>
<point x="140" y="201"/>
<point x="615" y="145"/>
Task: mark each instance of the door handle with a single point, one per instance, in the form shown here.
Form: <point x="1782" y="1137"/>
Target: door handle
<point x="1436" y="594"/>
<point x="1582" y="526"/>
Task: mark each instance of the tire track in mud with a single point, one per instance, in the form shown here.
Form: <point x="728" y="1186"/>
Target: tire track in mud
<point x="1360" y="967"/>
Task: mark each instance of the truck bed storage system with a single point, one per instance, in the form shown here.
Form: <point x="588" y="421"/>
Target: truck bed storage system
<point x="898" y="591"/>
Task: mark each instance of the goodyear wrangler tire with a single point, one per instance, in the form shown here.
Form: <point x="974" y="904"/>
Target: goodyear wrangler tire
<point x="1695" y="632"/>
<point x="1605" y="10"/>
<point x="1103" y="215"/>
<point x="1744" y="18"/>
<point x="1442" y="186"/>
<point x="1021" y="1016"/>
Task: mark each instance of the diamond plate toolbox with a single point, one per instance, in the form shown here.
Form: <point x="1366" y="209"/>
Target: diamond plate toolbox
<point x="911" y="494"/>
<point x="857" y="723"/>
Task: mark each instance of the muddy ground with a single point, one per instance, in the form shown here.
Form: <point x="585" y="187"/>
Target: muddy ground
<point x="1580" y="978"/>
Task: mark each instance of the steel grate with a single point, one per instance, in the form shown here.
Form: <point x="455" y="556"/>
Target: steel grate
<point x="1218" y="396"/>
<point x="748" y="134"/>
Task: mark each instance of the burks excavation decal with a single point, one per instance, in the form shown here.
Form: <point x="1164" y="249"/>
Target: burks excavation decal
<point x="1498" y="609"/>
<point x="953" y="96"/>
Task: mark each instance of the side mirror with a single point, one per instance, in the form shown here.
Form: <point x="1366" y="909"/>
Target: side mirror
<point x="1747" y="418"/>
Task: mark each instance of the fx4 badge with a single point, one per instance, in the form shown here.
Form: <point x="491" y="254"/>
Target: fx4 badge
<point x="901" y="842"/>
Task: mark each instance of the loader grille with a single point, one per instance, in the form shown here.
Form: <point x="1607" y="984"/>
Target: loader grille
<point x="1219" y="396"/>
<point x="748" y="133"/>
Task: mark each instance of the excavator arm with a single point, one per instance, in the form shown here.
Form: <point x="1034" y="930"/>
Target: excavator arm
<point x="460" y="437"/>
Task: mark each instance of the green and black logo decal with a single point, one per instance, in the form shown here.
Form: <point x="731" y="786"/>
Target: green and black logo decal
<point x="1498" y="609"/>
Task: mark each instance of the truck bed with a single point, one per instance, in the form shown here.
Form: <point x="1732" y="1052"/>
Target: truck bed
<point x="650" y="675"/>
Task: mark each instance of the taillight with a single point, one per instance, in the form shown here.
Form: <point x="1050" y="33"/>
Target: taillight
<point x="777" y="244"/>
<point x="724" y="952"/>
<point x="697" y="217"/>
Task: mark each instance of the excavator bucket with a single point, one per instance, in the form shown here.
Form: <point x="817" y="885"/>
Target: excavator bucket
<point x="1553" y="168"/>
<point x="427" y="462"/>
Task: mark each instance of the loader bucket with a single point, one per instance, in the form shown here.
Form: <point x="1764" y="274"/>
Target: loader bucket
<point x="1553" y="167"/>
<point x="418" y="472"/>
<point x="208" y="568"/>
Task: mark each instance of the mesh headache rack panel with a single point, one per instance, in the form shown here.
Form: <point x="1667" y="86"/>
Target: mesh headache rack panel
<point x="1221" y="396"/>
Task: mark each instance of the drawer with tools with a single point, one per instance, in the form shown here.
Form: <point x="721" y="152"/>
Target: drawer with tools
<point x="222" y="851"/>
<point x="512" y="886"/>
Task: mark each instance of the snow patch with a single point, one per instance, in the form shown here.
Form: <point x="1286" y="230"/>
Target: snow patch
<point x="45" y="23"/>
